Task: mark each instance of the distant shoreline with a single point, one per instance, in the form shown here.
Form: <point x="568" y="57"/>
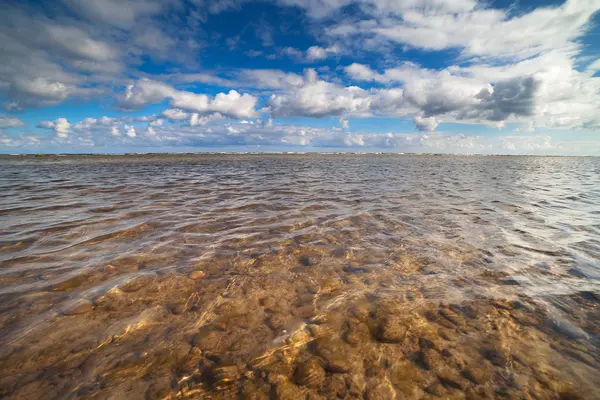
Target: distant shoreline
<point x="41" y="156"/>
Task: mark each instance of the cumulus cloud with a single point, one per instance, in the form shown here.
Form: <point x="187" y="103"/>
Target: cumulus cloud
<point x="130" y="131"/>
<point x="344" y="124"/>
<point x="425" y="124"/>
<point x="527" y="67"/>
<point x="479" y="31"/>
<point x="318" y="53"/>
<point x="60" y="126"/>
<point x="428" y="96"/>
<point x="301" y="138"/>
<point x="10" y="122"/>
<point x="80" y="49"/>
<point x="318" y="98"/>
<point x="175" y="114"/>
<point x="120" y="13"/>
<point x="546" y="90"/>
<point x="231" y="104"/>
<point x="196" y="119"/>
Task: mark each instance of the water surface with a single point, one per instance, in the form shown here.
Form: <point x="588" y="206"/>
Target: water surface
<point x="299" y="276"/>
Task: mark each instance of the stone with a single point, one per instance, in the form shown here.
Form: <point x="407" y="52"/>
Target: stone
<point x="310" y="373"/>
<point x="452" y="316"/>
<point x="448" y="334"/>
<point x="356" y="332"/>
<point x="451" y="377"/>
<point x="207" y="339"/>
<point x="334" y="387"/>
<point x="355" y="384"/>
<point x="333" y="352"/>
<point x="196" y="275"/>
<point x="479" y="375"/>
<point x="79" y="307"/>
<point x="408" y="379"/>
<point x="286" y="390"/>
<point x="137" y="283"/>
<point x="159" y="389"/>
<point x="275" y="322"/>
<point x="425" y="343"/>
<point x="392" y="330"/>
<point x="251" y="391"/>
<point x="226" y="374"/>
<point x="191" y="360"/>
<point x="479" y="393"/>
<point x="177" y="309"/>
<point x="431" y="359"/>
<point x="436" y="389"/>
<point x="379" y="391"/>
<point x="496" y="357"/>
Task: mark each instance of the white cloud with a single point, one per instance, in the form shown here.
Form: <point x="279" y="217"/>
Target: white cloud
<point x="196" y="119"/>
<point x="175" y="114"/>
<point x="45" y="91"/>
<point x="115" y="131"/>
<point x="344" y="124"/>
<point x="130" y="131"/>
<point x="10" y="122"/>
<point x="479" y="31"/>
<point x="120" y="13"/>
<point x="425" y="124"/>
<point x="317" y="98"/>
<point x="546" y="90"/>
<point x="60" y="126"/>
<point x="75" y="42"/>
<point x="232" y="104"/>
<point x="318" y="53"/>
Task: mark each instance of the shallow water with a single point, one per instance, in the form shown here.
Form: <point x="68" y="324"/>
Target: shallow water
<point x="299" y="276"/>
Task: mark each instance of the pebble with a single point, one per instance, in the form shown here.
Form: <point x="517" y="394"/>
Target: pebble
<point x="159" y="389"/>
<point x="448" y="334"/>
<point x="425" y="343"/>
<point x="195" y="275"/>
<point x="452" y="316"/>
<point x="496" y="357"/>
<point x="275" y="321"/>
<point x="379" y="391"/>
<point x="355" y="384"/>
<point x="335" y="387"/>
<point x="310" y="373"/>
<point x="356" y="332"/>
<point x="191" y="360"/>
<point x="207" y="339"/>
<point x="335" y="355"/>
<point x="177" y="309"/>
<point x="450" y="377"/>
<point x="478" y="375"/>
<point x="226" y="374"/>
<point x="392" y="330"/>
<point x="284" y="389"/>
<point x="431" y="358"/>
<point x="80" y="307"/>
<point x="436" y="389"/>
<point x="137" y="283"/>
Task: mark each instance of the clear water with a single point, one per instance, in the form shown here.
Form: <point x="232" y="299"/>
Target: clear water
<point x="112" y="266"/>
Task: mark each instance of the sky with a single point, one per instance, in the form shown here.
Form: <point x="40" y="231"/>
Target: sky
<point x="418" y="76"/>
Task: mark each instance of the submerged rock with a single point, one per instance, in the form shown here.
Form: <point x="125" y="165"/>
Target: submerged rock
<point x="392" y="329"/>
<point x="336" y="356"/>
<point x="310" y="373"/>
<point x="79" y="307"/>
<point x="196" y="275"/>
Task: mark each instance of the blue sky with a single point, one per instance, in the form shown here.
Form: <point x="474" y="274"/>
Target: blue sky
<point x="441" y="76"/>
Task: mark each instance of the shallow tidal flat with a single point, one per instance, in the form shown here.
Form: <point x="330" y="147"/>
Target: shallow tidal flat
<point x="299" y="277"/>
